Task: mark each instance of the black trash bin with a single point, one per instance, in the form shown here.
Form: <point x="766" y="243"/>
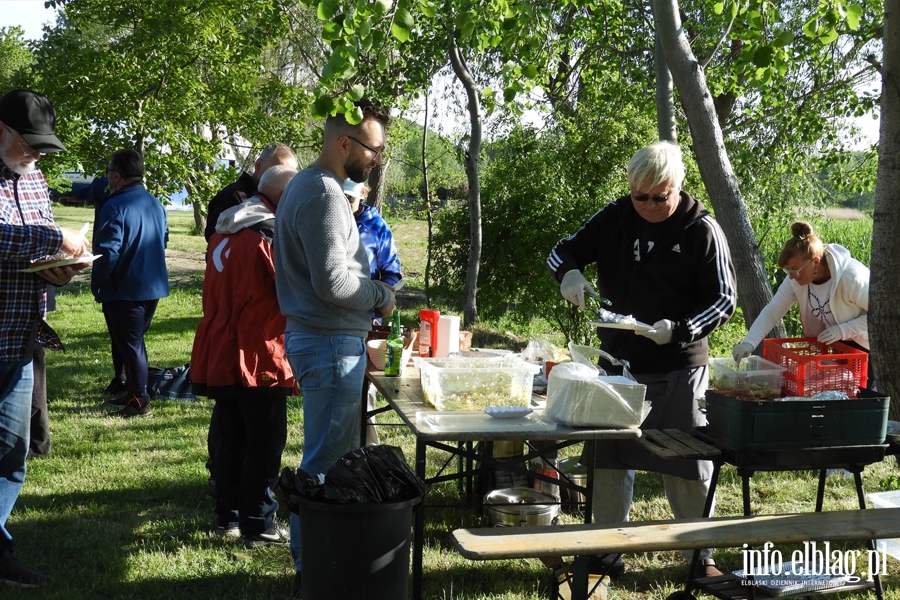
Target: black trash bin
<point x="355" y="550"/>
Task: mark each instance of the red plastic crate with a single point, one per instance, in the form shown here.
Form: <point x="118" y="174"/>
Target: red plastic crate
<point x="812" y="367"/>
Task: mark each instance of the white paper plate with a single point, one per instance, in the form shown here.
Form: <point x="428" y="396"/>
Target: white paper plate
<point x="84" y="258"/>
<point x="508" y="412"/>
<point x="636" y="326"/>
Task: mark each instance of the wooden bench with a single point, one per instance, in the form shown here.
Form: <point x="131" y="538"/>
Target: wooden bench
<point x="554" y="542"/>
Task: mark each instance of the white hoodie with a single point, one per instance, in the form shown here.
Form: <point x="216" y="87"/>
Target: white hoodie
<point x="848" y="301"/>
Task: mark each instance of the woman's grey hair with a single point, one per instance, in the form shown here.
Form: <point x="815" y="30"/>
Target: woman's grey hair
<point x="657" y="163"/>
<point x="275" y="179"/>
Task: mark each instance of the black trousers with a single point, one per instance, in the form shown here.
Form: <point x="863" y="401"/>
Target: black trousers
<point x="118" y="366"/>
<point x="127" y="322"/>
<point x="252" y="427"/>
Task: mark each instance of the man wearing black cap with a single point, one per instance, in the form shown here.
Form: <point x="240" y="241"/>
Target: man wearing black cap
<point x="27" y="233"/>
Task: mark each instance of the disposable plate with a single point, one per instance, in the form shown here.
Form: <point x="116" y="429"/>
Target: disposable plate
<point x="508" y="412"/>
<point x="636" y="326"/>
<point x="84" y="258"/>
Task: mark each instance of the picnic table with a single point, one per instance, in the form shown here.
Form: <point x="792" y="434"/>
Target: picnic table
<point x="404" y="396"/>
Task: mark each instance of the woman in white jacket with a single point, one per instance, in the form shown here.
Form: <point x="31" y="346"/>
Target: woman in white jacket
<point x="830" y="287"/>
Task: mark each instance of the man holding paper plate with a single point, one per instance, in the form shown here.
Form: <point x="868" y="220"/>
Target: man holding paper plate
<point x="661" y="260"/>
<point x="27" y="234"/>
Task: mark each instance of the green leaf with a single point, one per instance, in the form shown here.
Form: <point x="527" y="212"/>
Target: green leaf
<point x="323" y="106"/>
<point x="829" y="36"/>
<point x="364" y="28"/>
<point x="326" y="9"/>
<point x="509" y="94"/>
<point x="463" y="20"/>
<point x="783" y="39"/>
<point x="854" y="12"/>
<point x="357" y="91"/>
<point x="381" y="6"/>
<point x="530" y="71"/>
<point x="428" y="9"/>
<point x="811" y="27"/>
<point x="354" y="116"/>
<point x="718" y="7"/>
<point x="763" y="56"/>
<point x="466" y="32"/>
<point x="399" y="32"/>
<point x="403" y="18"/>
<point x="734" y="9"/>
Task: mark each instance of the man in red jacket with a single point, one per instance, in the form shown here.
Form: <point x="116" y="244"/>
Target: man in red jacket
<point x="238" y="359"/>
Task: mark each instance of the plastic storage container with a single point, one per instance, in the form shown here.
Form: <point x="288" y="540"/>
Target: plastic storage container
<point x="749" y="425"/>
<point x="473" y="384"/>
<point x="753" y="374"/>
<point x="887" y="500"/>
<point x="812" y="367"/>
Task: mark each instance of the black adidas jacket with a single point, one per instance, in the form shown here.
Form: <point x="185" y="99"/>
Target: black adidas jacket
<point x="679" y="270"/>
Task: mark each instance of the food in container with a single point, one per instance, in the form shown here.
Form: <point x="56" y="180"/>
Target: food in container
<point x="754" y="378"/>
<point x="455" y="383"/>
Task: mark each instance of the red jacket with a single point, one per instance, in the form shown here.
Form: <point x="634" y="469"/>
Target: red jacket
<point x="240" y="340"/>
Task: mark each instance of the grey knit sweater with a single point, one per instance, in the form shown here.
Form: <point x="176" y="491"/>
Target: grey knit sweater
<point x="321" y="269"/>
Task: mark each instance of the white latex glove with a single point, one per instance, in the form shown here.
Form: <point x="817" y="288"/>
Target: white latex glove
<point x="831" y="335"/>
<point x="573" y="286"/>
<point x="741" y="351"/>
<point x="661" y="332"/>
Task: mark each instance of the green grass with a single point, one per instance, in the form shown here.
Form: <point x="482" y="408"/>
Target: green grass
<point x="117" y="510"/>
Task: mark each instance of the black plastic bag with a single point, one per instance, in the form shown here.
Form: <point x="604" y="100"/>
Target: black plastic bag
<point x="370" y="474"/>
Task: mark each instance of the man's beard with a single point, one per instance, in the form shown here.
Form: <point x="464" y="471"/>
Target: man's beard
<point x="356" y="169"/>
<point x="18" y="168"/>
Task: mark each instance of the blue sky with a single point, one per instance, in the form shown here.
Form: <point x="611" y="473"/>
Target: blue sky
<point x="30" y="15"/>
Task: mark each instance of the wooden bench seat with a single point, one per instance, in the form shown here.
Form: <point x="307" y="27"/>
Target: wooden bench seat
<point x="556" y="541"/>
<point x="550" y="541"/>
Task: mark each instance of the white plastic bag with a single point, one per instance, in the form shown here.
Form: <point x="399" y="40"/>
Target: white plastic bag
<point x="580" y="394"/>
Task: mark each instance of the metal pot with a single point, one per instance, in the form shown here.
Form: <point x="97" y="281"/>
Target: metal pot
<point x="518" y="507"/>
<point x="577" y="474"/>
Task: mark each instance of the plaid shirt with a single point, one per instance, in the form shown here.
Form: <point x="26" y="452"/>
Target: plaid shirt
<point x="27" y="233"/>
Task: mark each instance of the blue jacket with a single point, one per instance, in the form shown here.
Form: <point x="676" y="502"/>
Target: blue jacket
<point x="131" y="236"/>
<point x="375" y="235"/>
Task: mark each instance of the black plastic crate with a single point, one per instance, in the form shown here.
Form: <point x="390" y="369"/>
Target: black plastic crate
<point x="768" y="425"/>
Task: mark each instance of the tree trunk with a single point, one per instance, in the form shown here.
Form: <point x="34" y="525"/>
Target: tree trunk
<point x="377" y="177"/>
<point x="754" y="291"/>
<point x="884" y="310"/>
<point x="470" y="310"/>
<point x="196" y="205"/>
<point x="427" y="203"/>
<point x="665" y="97"/>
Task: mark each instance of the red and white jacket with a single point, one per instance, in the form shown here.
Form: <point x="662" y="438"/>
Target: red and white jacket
<point x="240" y="340"/>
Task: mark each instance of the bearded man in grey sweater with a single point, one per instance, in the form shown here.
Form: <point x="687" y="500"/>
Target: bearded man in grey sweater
<point x="326" y="294"/>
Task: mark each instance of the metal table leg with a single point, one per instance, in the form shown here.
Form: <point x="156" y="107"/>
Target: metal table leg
<point x="419" y="525"/>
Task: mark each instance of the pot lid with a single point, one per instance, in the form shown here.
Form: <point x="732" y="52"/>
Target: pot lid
<point x="519" y="496"/>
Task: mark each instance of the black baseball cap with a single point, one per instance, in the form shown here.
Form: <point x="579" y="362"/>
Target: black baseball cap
<point x="33" y="117"/>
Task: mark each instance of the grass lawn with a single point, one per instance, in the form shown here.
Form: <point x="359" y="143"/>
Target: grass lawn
<point x="117" y="510"/>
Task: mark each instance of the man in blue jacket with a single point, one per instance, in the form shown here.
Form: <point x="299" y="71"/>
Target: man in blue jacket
<point x="130" y="276"/>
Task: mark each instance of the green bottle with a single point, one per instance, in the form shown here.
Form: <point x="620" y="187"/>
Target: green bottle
<point x="394" y="347"/>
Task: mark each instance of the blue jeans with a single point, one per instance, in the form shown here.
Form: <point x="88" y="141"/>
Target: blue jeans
<point x="330" y="371"/>
<point x="16" y="383"/>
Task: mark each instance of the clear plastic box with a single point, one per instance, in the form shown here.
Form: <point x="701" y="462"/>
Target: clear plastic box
<point x="456" y="383"/>
<point x="887" y="500"/>
<point x="754" y="374"/>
